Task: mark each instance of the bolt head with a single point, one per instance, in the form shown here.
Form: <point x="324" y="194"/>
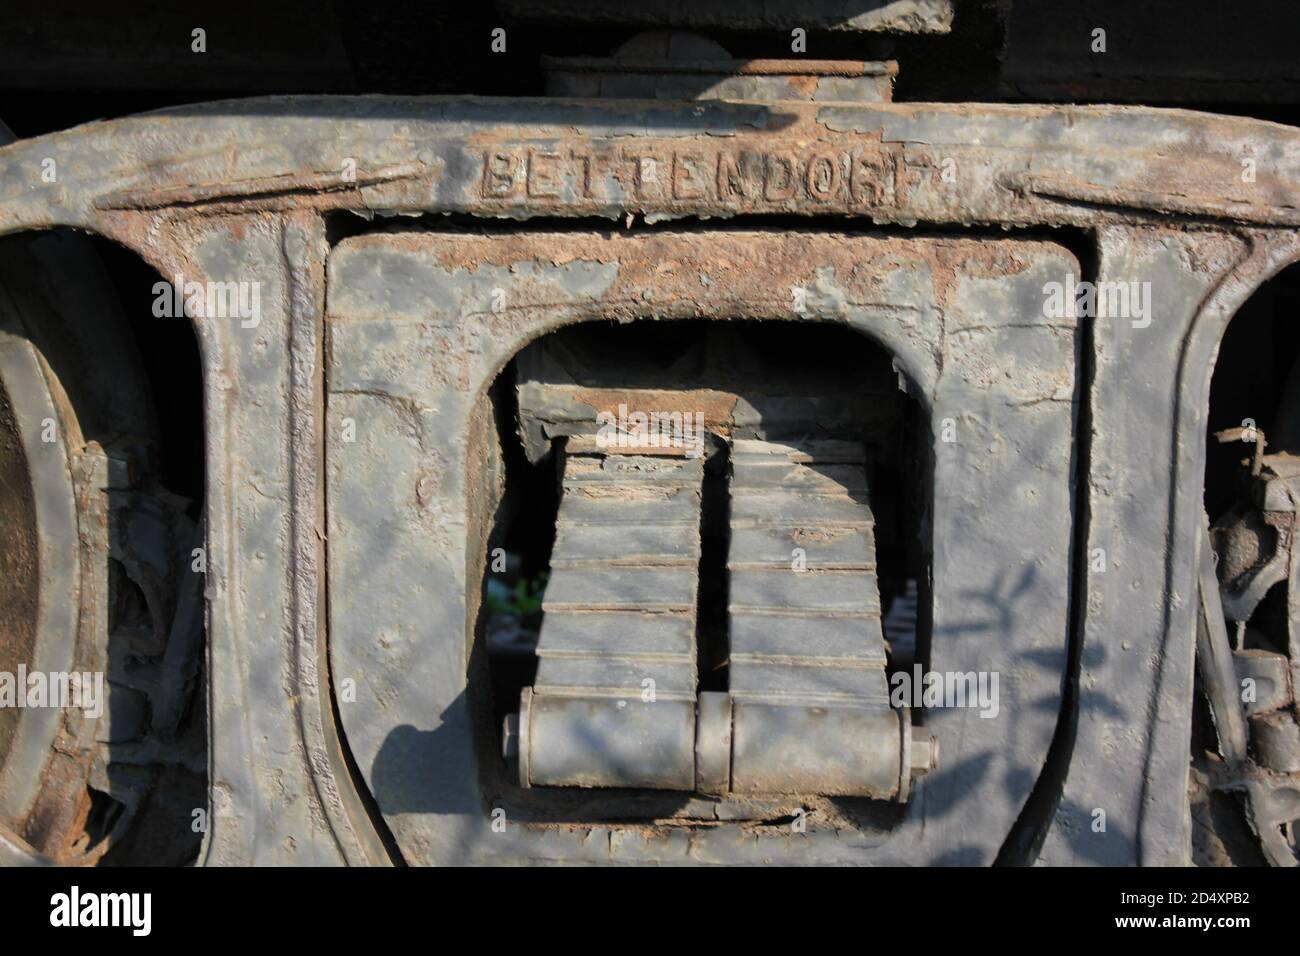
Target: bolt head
<point x="925" y="752"/>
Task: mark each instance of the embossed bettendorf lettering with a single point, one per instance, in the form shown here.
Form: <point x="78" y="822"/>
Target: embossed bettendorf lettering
<point x="727" y="177"/>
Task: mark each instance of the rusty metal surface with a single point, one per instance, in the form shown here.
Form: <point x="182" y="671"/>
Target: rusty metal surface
<point x="408" y="368"/>
<point x="844" y="68"/>
<point x="229" y="190"/>
<point x="50" y="644"/>
<point x="563" y="387"/>
<point x="279" y="790"/>
<point x="1137" y="655"/>
<point x="83" y="766"/>
<point x="1015" y="165"/>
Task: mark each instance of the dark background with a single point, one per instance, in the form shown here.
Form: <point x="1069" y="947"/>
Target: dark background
<point x="65" y="62"/>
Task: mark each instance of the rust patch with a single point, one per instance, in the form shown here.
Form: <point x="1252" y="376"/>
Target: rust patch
<point x="265" y="188"/>
<point x="717" y="407"/>
<point x="709" y="274"/>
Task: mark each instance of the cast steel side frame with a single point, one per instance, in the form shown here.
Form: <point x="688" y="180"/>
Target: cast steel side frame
<point x="239" y="191"/>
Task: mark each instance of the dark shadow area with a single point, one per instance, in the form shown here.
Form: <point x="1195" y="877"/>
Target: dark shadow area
<point x="1252" y="463"/>
<point x="1256" y="379"/>
<point x="126" y="781"/>
<point x="74" y="62"/>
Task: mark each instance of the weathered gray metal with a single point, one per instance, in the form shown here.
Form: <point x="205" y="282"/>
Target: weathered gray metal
<point x="92" y="559"/>
<point x="401" y="348"/>
<point x="1019" y="165"/>
<point x="807" y="678"/>
<point x="15" y="851"/>
<point x="40" y="626"/>
<point x="713" y="738"/>
<point x="1216" y="662"/>
<point x="1276" y="738"/>
<point x="613" y="704"/>
<point x="237" y="190"/>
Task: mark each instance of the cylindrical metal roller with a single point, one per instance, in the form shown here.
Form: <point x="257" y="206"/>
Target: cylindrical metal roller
<point x="607" y="742"/>
<point x="713" y="743"/>
<point x="796" y="748"/>
<point x="717" y="745"/>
